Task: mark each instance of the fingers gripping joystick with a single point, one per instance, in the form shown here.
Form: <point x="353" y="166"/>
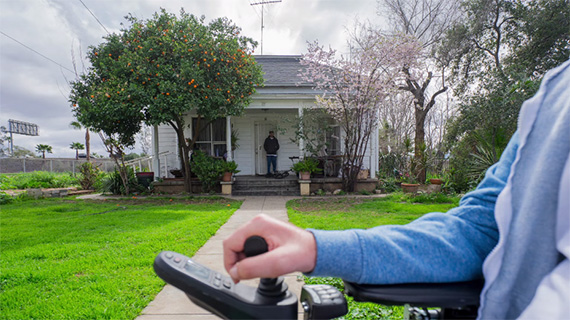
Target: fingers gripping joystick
<point x="272" y="288"/>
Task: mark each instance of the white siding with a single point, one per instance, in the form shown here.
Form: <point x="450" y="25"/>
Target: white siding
<point x="168" y="142"/>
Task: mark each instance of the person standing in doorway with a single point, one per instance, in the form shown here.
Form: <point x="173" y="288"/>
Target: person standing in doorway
<point x="271" y="146"/>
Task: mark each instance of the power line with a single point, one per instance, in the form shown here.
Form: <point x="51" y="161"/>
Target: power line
<point x="94" y="16"/>
<point x="36" y="52"/>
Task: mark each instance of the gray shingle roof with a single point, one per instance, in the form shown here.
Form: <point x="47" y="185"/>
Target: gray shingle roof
<point x="281" y="70"/>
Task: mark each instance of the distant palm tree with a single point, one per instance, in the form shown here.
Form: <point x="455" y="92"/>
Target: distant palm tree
<point x="43" y="148"/>
<point x="79" y="126"/>
<point x="77" y="146"/>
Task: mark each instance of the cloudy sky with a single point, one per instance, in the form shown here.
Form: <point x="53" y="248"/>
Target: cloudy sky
<point x="38" y="39"/>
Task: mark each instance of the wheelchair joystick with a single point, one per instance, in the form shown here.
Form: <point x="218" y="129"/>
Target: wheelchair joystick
<point x="318" y="301"/>
<point x="271" y="288"/>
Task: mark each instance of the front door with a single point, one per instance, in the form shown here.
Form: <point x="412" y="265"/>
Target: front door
<point x="261" y="132"/>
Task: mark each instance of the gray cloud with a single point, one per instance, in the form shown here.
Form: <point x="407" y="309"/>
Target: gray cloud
<point x="34" y="89"/>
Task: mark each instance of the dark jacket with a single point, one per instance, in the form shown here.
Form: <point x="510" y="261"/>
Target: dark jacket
<point x="271" y="145"/>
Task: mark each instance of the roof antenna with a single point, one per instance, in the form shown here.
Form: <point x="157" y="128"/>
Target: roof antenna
<point x="263" y="3"/>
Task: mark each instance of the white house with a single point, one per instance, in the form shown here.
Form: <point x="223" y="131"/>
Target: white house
<point x="273" y="107"/>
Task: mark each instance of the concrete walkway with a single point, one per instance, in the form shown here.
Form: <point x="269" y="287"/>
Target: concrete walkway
<point x="173" y="304"/>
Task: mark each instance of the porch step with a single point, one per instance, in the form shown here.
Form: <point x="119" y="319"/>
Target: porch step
<point x="261" y="186"/>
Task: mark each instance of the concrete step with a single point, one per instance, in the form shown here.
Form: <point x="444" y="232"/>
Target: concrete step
<point x="265" y="193"/>
<point x="261" y="186"/>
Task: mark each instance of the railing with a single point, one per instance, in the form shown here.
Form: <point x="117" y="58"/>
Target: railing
<point x="146" y="163"/>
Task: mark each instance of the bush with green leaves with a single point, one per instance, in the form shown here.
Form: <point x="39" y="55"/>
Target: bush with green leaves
<point x="37" y="179"/>
<point x="5" y="198"/>
<point x="89" y="174"/>
<point x="207" y="169"/>
<point x="114" y="184"/>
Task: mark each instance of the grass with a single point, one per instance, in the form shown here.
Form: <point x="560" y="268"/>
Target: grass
<point x="362" y="213"/>
<point x="74" y="259"/>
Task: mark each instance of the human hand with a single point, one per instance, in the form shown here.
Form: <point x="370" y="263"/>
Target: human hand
<point x="289" y="249"/>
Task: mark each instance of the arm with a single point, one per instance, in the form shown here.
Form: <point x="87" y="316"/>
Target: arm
<point x="553" y="293"/>
<point x="439" y="247"/>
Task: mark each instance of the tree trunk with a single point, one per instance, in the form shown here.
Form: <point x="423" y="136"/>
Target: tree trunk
<point x="421" y="110"/>
<point x="76" y="154"/>
<point x="87" y="145"/>
<point x="184" y="150"/>
<point x="419" y="163"/>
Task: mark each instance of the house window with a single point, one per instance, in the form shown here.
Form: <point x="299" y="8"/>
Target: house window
<point x="332" y="140"/>
<point x="212" y="139"/>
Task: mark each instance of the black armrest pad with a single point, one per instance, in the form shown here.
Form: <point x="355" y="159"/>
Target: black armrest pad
<point x="445" y="295"/>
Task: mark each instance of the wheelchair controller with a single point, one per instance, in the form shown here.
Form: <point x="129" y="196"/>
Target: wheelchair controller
<point x="270" y="300"/>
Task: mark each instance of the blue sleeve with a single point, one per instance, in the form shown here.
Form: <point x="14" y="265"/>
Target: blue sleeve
<point x="438" y="247"/>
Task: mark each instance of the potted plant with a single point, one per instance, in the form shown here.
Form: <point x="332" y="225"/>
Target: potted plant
<point x="229" y="168"/>
<point x="145" y="177"/>
<point x="435" y="181"/>
<point x="408" y="183"/>
<point x="306" y="167"/>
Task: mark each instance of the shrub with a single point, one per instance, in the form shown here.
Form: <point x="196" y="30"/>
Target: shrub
<point x="37" y="179"/>
<point x="113" y="183"/>
<point x="89" y="175"/>
<point x="389" y="185"/>
<point x="5" y="198"/>
<point x="207" y="169"/>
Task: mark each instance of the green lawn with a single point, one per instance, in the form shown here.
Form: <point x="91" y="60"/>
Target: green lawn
<point x="349" y="213"/>
<point x="74" y="259"/>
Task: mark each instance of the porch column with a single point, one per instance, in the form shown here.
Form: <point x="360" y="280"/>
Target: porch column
<point x="229" y="138"/>
<point x="301" y="141"/>
<point x="155" y="156"/>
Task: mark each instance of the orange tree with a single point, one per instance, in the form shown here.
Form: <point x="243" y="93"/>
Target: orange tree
<point x="164" y="69"/>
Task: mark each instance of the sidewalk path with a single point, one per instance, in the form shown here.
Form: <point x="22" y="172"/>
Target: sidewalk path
<point x="173" y="304"/>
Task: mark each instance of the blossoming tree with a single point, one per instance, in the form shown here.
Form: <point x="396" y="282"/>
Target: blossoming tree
<point x="354" y="88"/>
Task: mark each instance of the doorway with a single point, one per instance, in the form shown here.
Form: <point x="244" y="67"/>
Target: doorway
<point x="261" y="132"/>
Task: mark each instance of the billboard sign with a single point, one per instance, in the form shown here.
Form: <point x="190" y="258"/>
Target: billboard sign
<point x="21" y="127"/>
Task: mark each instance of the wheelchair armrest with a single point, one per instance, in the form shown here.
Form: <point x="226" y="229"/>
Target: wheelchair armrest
<point x="445" y="295"/>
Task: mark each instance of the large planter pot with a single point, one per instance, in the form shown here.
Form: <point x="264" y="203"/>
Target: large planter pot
<point x="410" y="187"/>
<point x="435" y="181"/>
<point x="177" y="173"/>
<point x="145" y="178"/>
<point x="363" y="174"/>
<point x="227" y="177"/>
<point x="304" y="175"/>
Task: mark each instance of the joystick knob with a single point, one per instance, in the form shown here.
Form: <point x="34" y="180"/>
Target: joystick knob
<point x="268" y="287"/>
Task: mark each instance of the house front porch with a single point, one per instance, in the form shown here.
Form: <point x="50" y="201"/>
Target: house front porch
<point x="257" y="185"/>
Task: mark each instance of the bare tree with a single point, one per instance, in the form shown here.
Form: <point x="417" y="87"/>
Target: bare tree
<point x="144" y="138"/>
<point x="427" y="21"/>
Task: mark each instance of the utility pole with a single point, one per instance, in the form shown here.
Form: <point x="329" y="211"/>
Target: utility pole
<point x="263" y="3"/>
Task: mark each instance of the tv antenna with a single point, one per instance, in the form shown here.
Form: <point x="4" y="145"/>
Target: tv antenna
<point x="263" y="3"/>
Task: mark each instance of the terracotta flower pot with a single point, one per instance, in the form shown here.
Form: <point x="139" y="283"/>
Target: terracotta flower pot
<point x="304" y="175"/>
<point x="435" y="181"/>
<point x="410" y="187"/>
<point x="227" y="177"/>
